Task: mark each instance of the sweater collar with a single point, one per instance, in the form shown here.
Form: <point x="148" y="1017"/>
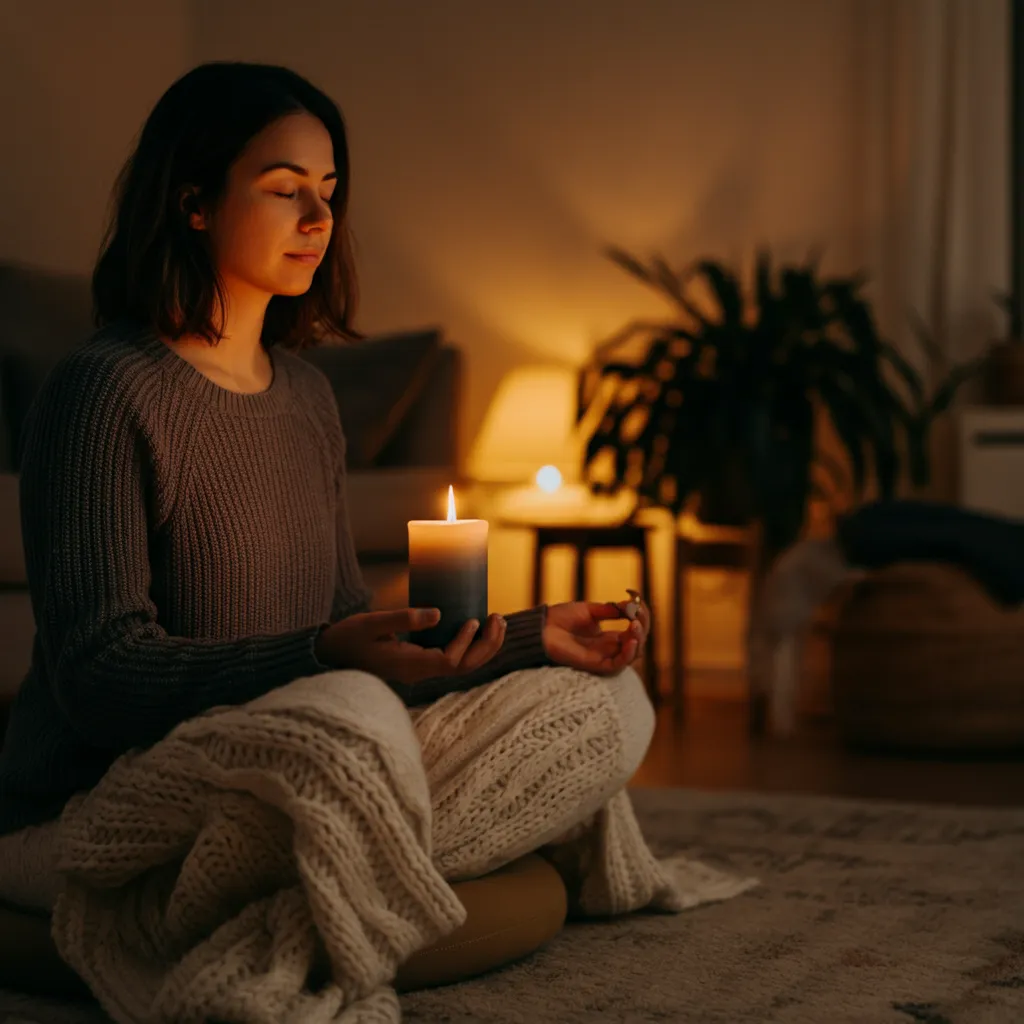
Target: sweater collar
<point x="183" y="374"/>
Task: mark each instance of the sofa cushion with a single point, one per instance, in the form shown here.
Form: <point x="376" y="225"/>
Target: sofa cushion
<point x="375" y="383"/>
<point x="382" y="501"/>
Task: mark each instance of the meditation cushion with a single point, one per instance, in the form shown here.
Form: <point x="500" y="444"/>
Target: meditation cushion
<point x="510" y="913"/>
<point x="925" y="659"/>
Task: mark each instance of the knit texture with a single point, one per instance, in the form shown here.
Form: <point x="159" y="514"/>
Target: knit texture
<point x="184" y="545"/>
<point x="276" y="862"/>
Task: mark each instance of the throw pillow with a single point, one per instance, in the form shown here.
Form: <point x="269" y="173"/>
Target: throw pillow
<point x="375" y="383"/>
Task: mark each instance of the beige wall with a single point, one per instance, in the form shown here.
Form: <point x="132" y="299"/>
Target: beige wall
<point x="497" y="146"/>
<point x="76" y="83"/>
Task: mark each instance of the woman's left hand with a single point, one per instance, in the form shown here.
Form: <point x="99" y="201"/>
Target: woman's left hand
<point x="573" y="636"/>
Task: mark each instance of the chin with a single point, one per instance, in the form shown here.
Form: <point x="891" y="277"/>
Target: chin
<point x="298" y="282"/>
<point x="293" y="287"/>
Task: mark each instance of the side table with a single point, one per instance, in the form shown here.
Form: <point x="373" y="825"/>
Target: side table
<point x="697" y="544"/>
<point x="584" y="537"/>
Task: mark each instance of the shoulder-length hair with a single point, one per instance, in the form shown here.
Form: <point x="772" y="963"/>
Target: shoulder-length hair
<point x="154" y="269"/>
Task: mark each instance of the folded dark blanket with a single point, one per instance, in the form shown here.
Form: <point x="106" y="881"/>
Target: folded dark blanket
<point x="990" y="548"/>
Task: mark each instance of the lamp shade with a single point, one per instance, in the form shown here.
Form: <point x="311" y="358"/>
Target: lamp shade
<point x="530" y="423"/>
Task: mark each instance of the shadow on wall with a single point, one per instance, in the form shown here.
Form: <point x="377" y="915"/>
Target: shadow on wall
<point x="422" y="298"/>
<point x="80" y="80"/>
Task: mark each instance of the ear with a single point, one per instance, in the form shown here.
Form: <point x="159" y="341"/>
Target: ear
<point x="188" y="203"/>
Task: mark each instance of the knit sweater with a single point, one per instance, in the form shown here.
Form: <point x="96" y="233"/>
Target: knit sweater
<point x="185" y="544"/>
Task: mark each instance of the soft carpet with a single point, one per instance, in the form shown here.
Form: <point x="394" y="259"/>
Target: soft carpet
<point x="866" y="912"/>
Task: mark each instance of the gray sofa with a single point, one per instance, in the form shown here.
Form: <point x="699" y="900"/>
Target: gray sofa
<point x="398" y="395"/>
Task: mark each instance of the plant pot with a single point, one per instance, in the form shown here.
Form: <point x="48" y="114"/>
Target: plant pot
<point x="725" y="499"/>
<point x="1004" y="374"/>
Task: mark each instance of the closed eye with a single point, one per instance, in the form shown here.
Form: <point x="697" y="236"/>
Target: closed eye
<point x="292" y="195"/>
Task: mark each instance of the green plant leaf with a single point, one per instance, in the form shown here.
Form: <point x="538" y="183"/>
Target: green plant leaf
<point x="627" y="371"/>
<point x="846" y="420"/>
<point x="955" y="379"/>
<point x="667" y="279"/>
<point x="763" y="279"/>
<point x="725" y="288"/>
<point x="629" y="263"/>
<point x="907" y="373"/>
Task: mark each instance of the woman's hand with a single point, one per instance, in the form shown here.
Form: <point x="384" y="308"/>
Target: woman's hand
<point x="573" y="636"/>
<point x="368" y="641"/>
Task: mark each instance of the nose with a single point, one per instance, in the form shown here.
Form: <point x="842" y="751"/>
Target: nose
<point x="318" y="216"/>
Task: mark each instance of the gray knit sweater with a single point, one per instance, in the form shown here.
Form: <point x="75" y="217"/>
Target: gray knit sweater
<point x="184" y="544"/>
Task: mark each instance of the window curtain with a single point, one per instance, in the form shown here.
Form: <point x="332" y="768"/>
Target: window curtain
<point x="936" y="87"/>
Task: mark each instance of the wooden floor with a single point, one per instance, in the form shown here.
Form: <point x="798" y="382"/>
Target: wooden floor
<point x="709" y="747"/>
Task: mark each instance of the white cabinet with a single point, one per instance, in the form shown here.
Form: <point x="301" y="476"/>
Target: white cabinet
<point x="992" y="460"/>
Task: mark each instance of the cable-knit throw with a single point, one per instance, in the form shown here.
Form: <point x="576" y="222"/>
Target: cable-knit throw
<point x="276" y="862"/>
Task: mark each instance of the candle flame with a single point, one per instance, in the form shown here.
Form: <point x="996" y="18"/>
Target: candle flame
<point x="451" y="504"/>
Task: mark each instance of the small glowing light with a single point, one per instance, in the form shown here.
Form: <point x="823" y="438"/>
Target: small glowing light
<point x="549" y="479"/>
<point x="451" y="504"/>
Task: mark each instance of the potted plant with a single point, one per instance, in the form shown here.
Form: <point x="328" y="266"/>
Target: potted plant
<point x="721" y="405"/>
<point x="1004" y="376"/>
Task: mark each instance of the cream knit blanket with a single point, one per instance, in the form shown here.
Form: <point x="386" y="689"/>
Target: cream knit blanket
<point x="276" y="862"/>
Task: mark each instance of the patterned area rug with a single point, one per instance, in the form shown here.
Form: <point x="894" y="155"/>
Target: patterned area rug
<point x="867" y="912"/>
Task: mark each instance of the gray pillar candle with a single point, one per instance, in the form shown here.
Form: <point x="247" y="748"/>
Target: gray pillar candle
<point x="448" y="570"/>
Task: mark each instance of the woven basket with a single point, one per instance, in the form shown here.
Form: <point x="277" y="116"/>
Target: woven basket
<point x="923" y="659"/>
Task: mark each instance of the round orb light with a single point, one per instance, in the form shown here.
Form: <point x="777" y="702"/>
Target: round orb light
<point x="549" y="479"/>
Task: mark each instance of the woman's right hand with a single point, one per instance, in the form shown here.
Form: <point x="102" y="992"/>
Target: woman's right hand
<point x="369" y="641"/>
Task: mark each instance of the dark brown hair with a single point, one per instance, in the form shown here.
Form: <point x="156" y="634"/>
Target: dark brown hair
<point x="156" y="270"/>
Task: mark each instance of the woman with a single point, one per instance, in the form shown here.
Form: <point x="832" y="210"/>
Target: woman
<point x="183" y="484"/>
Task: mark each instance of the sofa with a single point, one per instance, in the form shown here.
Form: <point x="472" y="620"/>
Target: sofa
<point x="398" y="396"/>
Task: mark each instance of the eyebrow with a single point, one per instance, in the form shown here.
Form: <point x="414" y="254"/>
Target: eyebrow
<point x="284" y="165"/>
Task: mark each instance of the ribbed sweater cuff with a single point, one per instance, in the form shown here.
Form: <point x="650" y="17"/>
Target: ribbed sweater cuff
<point x="274" y="660"/>
<point x="524" y="642"/>
<point x="523" y="648"/>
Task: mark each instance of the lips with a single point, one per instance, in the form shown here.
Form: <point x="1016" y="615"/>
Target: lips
<point x="304" y="257"/>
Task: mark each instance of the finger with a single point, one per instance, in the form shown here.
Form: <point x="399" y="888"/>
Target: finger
<point x="609" y="664"/>
<point x="486" y="647"/>
<point x="607" y="609"/>
<point x="643" y="614"/>
<point x="626" y="656"/>
<point x="456" y="649"/>
<point x="402" y="620"/>
<point x="637" y="630"/>
<point x="609" y="643"/>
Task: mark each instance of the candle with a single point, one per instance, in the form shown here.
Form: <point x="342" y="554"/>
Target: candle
<point x="448" y="570"/>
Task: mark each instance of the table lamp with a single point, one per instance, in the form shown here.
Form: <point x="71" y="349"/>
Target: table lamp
<point x="528" y="435"/>
<point x="530" y="443"/>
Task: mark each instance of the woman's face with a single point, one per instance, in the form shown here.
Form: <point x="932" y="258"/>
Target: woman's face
<point x="269" y="231"/>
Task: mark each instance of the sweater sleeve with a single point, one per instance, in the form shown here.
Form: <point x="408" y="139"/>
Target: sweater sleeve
<point x="351" y="594"/>
<point x="523" y="648"/>
<point x="85" y="494"/>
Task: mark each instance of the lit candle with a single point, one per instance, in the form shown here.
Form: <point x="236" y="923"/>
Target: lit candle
<point x="448" y="570"/>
